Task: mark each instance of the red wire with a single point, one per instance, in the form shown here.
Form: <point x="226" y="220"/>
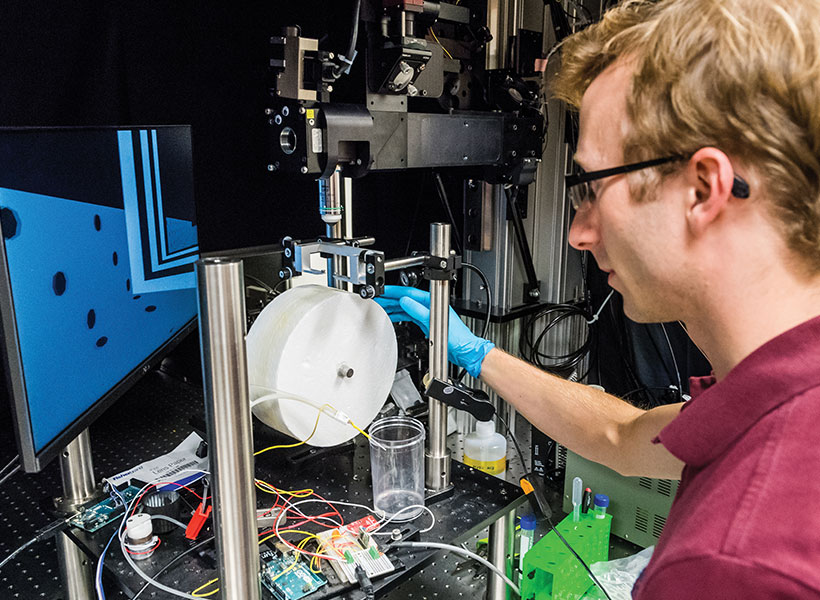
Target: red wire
<point x="153" y="485"/>
<point x="159" y="541"/>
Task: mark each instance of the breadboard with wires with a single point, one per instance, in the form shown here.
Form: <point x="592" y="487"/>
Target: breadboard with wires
<point x="93" y="518"/>
<point x="288" y="578"/>
<point x="354" y="544"/>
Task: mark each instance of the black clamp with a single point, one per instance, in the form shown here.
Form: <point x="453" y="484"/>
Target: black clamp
<point x="436" y="268"/>
<point x="476" y="402"/>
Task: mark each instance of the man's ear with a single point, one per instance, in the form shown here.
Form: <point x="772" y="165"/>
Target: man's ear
<point x="709" y="175"/>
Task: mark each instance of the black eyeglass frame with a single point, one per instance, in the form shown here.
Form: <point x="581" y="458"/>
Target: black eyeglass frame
<point x="740" y="189"/>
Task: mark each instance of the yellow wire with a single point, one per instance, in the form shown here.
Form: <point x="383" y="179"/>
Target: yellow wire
<point x="356" y="427"/>
<point x="197" y="590"/>
<point x="272" y="489"/>
<point x="315" y="426"/>
<point x="450" y="56"/>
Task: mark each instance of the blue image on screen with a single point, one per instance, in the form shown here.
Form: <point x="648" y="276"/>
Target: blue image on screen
<point x="81" y="327"/>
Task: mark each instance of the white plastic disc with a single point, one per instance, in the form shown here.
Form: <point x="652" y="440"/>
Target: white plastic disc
<point x="329" y="347"/>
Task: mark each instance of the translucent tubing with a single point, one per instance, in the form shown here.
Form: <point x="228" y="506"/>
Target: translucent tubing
<point x="463" y="552"/>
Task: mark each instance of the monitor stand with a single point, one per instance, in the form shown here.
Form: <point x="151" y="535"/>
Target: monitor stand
<point x="79" y="487"/>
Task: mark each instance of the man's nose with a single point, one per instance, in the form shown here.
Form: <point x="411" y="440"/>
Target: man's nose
<point x="583" y="233"/>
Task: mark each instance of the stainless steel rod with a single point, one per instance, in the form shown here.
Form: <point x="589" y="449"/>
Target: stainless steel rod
<point x="228" y="415"/>
<point x="500" y="548"/>
<point x="403" y="263"/>
<point x="438" y="456"/>
<point x="77" y="472"/>
<point x="79" y="487"/>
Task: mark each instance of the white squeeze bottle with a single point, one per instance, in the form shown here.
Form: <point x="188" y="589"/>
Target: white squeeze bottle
<point x="486" y="450"/>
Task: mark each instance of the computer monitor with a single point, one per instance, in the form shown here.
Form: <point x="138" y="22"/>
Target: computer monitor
<point x="96" y="270"/>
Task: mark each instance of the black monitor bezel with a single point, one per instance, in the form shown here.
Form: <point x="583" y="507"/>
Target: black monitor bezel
<point x="31" y="460"/>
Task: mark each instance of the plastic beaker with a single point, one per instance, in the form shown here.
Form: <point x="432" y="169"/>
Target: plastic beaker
<point x="397" y="466"/>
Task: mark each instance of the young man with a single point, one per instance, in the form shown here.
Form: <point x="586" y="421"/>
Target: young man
<point x="721" y="231"/>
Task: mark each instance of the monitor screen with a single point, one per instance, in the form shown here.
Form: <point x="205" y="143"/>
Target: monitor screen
<point x="96" y="270"/>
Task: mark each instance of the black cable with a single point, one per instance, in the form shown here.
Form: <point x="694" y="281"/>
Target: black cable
<point x="354" y="36"/>
<point x="486" y="327"/>
<point x="442" y="194"/>
<point x="171" y="563"/>
<point x="529" y="343"/>
<point x="41" y="534"/>
<point x="486" y="284"/>
<point x="674" y="360"/>
<point x="514" y="440"/>
<point x="576" y="555"/>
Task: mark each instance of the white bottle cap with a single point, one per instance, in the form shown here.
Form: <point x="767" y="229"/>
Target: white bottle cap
<point x="484" y="428"/>
<point x="138" y="527"/>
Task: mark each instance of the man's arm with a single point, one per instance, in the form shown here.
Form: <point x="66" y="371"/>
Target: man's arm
<point x="596" y="425"/>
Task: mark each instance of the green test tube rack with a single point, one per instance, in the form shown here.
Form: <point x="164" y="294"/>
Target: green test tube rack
<point x="551" y="572"/>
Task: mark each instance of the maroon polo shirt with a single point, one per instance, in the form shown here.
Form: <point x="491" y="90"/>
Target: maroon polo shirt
<point x="745" y="523"/>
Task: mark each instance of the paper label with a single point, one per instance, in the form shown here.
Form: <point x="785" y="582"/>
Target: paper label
<point x="316" y="139"/>
<point x="493" y="467"/>
<point x="181" y="466"/>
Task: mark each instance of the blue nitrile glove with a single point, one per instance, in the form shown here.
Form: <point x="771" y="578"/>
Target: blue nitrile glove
<point x="464" y="348"/>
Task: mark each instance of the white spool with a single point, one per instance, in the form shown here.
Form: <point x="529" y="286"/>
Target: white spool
<point x="139" y="528"/>
<point x="327" y="346"/>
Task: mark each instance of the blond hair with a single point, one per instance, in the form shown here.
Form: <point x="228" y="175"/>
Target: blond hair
<point x="739" y="75"/>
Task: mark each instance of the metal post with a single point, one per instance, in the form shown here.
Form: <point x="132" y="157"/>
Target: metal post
<point x="438" y="456"/>
<point x="501" y="547"/>
<point x="228" y="415"/>
<point x="330" y="209"/>
<point x="79" y="487"/>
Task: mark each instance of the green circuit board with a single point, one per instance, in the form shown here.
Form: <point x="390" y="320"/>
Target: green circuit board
<point x="286" y="581"/>
<point x="93" y="518"/>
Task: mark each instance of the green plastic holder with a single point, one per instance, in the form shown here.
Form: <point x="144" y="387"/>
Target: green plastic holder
<point x="551" y="572"/>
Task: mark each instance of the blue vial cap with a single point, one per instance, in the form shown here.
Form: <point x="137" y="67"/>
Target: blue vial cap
<point x="601" y="500"/>
<point x="528" y="521"/>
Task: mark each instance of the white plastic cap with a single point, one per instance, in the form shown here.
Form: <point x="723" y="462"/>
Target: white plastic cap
<point x="484" y="428"/>
<point x="138" y="527"/>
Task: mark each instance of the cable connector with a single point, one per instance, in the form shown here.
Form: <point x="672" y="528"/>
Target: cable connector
<point x="364" y="583"/>
<point x="348" y="63"/>
<point x="197" y="521"/>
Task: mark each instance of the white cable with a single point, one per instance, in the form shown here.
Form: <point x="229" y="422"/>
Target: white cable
<point x="405" y="509"/>
<point x="153" y="582"/>
<point x="462" y="551"/>
<point x="9" y="474"/>
<point x="10" y="463"/>
<point x="597" y="314"/>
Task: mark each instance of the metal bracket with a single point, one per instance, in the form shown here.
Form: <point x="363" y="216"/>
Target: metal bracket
<point x="435" y="268"/>
<point x="365" y="268"/>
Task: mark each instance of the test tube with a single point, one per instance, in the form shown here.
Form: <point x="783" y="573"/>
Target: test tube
<point x="601" y="502"/>
<point x="577" y="493"/>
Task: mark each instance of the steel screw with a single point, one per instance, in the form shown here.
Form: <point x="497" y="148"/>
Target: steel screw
<point x="288" y="252"/>
<point x="271" y="168"/>
<point x="277" y="119"/>
<point x="301" y="110"/>
<point x="268" y="111"/>
<point x="534" y="293"/>
<point x="443" y="264"/>
<point x="371" y="269"/>
<point x="285" y="111"/>
<point x="303" y="170"/>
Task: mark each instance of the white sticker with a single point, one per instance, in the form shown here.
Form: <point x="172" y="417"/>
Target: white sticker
<point x="316" y="134"/>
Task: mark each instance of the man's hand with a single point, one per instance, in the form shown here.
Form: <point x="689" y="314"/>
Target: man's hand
<point x="464" y="348"/>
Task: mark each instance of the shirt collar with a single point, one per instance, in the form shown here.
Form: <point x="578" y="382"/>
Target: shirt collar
<point x="719" y="414"/>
